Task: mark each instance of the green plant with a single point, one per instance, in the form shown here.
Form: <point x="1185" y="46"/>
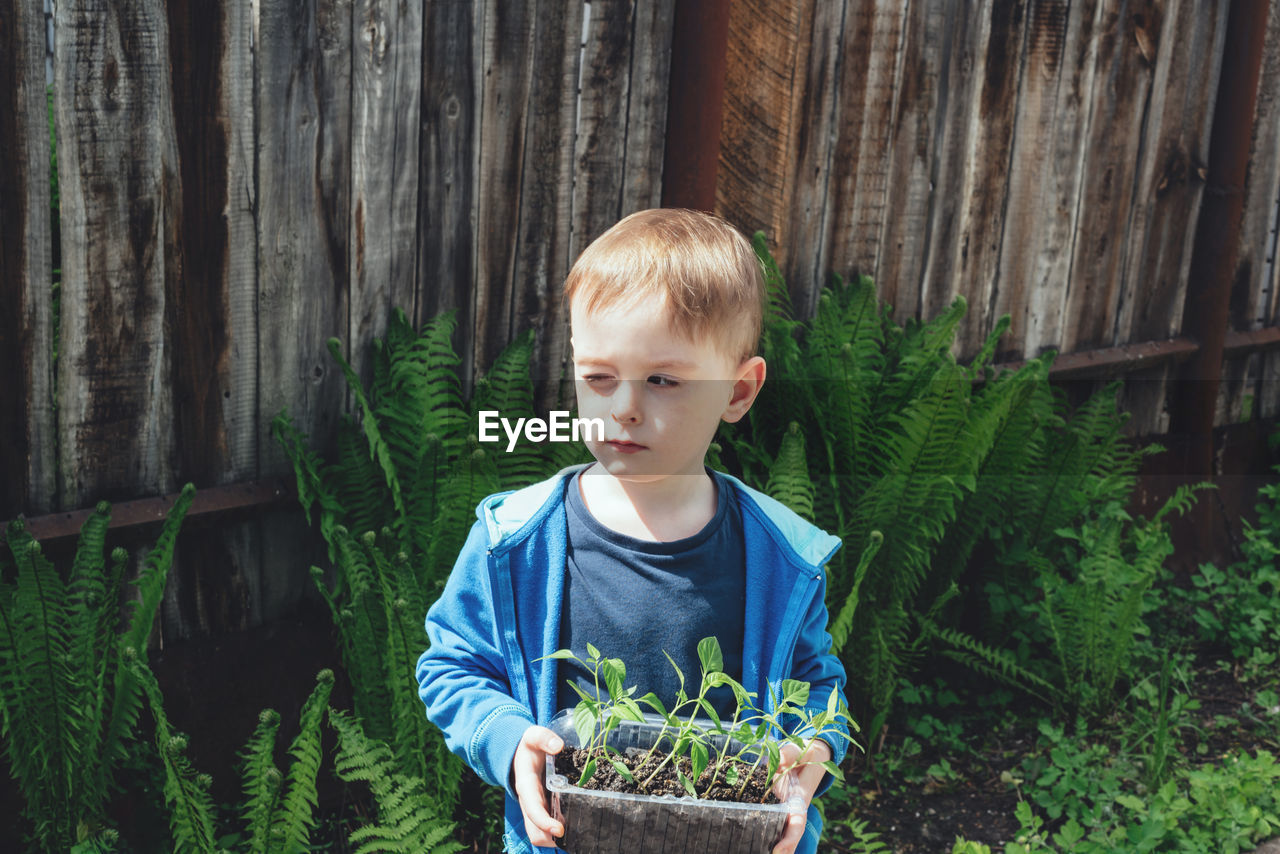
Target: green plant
<point x="394" y="507"/>
<point x="408" y="817"/>
<point x="68" y="701"/>
<point x="875" y="432"/>
<point x="734" y="750"/>
<point x="278" y="810"/>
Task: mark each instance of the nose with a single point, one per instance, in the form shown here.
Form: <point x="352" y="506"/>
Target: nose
<point x="625" y="402"/>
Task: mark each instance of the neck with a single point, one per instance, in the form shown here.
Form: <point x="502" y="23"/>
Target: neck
<point x="670" y="508"/>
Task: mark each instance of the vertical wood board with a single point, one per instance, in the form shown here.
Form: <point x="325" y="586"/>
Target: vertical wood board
<point x="302" y="103"/>
<point x="1117" y="113"/>
<point x="1047" y="173"/>
<point x="386" y="95"/>
<point x="28" y="468"/>
<point x="905" y="233"/>
<point x="508" y="53"/>
<point x="871" y="80"/>
<point x="811" y="148"/>
<point x="448" y="167"/>
<point x="545" y="202"/>
<point x="119" y="185"/>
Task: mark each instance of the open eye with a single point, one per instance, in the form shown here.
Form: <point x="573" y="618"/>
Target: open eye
<point x="663" y="382"/>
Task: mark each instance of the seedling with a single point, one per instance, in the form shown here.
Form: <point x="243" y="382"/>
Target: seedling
<point x="693" y="734"/>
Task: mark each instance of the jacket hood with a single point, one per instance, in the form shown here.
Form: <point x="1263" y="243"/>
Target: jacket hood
<point x="509" y="516"/>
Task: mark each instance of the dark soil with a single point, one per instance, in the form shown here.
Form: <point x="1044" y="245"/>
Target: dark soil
<point x="916" y="814"/>
<point x="606" y="778"/>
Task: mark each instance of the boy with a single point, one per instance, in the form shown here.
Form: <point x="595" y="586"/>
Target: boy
<point x="646" y="550"/>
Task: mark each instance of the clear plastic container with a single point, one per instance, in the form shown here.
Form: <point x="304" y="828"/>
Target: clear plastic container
<point x="617" y="823"/>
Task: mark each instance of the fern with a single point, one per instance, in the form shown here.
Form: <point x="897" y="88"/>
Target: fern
<point x="407" y="817"/>
<point x="68" y="704"/>
<point x="263" y="782"/>
<point x="186" y="792"/>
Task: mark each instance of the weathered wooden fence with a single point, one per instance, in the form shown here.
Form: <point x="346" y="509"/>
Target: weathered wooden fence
<point x="1044" y="159"/>
<point x="241" y="180"/>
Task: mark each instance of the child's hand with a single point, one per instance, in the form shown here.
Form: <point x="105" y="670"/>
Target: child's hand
<point x="527" y="770"/>
<point x="806" y="783"/>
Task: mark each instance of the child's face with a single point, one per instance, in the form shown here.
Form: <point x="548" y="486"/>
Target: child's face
<point x="660" y="395"/>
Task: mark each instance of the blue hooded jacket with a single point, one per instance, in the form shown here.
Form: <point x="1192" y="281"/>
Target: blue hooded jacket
<point x="484" y="680"/>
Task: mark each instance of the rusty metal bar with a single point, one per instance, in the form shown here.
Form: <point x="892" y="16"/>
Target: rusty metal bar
<point x="211" y="501"/>
<point x="1213" y="258"/>
<point x="695" y="103"/>
<point x="1254" y="341"/>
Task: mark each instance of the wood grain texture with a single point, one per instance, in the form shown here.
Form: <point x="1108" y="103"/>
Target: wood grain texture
<point x="871" y="82"/>
<point x="28" y="469"/>
<point x="1116" y="115"/>
<point x="386" y="89"/>
<point x="1046" y="173"/>
<point x="507" y="62"/>
<point x="303" y="103"/>
<point x="120" y="188"/>
<point x="967" y="217"/>
<point x="905" y="232"/>
<point x="217" y="577"/>
<point x="448" y="167"/>
<point x="546" y="194"/>
<point x="1253" y="293"/>
<point x="760" y="87"/>
<point x="648" y="93"/>
<point x="811" y="148"/>
<point x="1187" y="52"/>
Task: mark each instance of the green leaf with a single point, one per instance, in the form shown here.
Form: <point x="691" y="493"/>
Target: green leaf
<point x="584" y="723"/>
<point x="623" y="771"/>
<point x="688" y="786"/>
<point x="587" y="771"/>
<point x="795" y="692"/>
<point x="560" y="654"/>
<point x="698" y="758"/>
<point x="593" y="653"/>
<point x="614" y="673"/>
<point x="709" y="655"/>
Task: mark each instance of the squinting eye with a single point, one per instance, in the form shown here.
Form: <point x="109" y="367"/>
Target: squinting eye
<point x="663" y="381"/>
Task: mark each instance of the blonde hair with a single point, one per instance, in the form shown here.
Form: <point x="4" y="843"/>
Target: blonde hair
<point x="707" y="272"/>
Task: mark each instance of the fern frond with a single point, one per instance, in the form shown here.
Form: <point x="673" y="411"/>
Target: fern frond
<point x="186" y="792"/>
<point x="407" y="817"/>
<point x="292" y="829"/>
<point x="997" y="664"/>
<point x="263" y="782"/>
<point x="843" y="622"/>
<point x="789" y="480"/>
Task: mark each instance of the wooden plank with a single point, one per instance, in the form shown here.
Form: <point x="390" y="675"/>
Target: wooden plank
<point x="1045" y="174"/>
<point x="508" y="52"/>
<point x="546" y="197"/>
<point x="1253" y="301"/>
<point x="601" y="145"/>
<point x="753" y="179"/>
<point x="648" y="91"/>
<point x="119" y="187"/>
<point x="303" y="56"/>
<point x="810" y="152"/>
<point x="303" y="97"/>
<point x="871" y="69"/>
<point x="448" y="167"/>
<point x="1116" y="114"/>
<point x="977" y="118"/>
<point x="210" y="310"/>
<point x="905" y="234"/>
<point x="1187" y="53"/>
<point x="386" y="92"/>
<point x="28" y="471"/>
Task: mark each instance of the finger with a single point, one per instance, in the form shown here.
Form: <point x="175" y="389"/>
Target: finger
<point x="791" y="838"/>
<point x="533" y="803"/>
<point x="543" y="739"/>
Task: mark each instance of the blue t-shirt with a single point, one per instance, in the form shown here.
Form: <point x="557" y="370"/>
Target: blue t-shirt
<point x="634" y="599"/>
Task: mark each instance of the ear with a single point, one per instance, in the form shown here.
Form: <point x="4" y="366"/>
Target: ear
<point x="746" y="386"/>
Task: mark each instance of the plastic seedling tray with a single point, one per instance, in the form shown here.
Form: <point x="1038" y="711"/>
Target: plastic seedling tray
<point x="616" y="823"/>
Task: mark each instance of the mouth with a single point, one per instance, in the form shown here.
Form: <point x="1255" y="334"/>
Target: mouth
<point x="623" y="446"/>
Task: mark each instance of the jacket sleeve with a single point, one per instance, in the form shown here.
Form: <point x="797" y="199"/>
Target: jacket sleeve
<point x="463" y="677"/>
<point x="815" y="663"/>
